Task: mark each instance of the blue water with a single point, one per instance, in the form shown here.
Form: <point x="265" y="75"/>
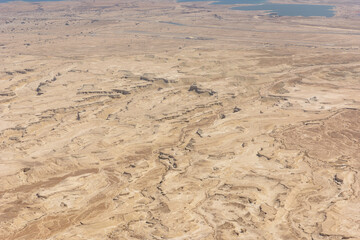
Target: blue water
<point x="172" y="23"/>
<point x="227" y="1"/>
<point x="304" y="10"/>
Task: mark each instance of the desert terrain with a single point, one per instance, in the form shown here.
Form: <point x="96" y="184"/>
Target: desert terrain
<point x="163" y="120"/>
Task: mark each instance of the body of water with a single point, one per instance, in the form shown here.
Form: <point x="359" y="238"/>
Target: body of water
<point x="227" y="1"/>
<point x="172" y="23"/>
<point x="304" y="10"/>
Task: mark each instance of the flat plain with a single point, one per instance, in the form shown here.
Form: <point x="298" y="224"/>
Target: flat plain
<point x="164" y="120"/>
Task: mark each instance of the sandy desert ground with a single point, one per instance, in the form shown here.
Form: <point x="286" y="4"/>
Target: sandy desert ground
<point x="164" y="120"/>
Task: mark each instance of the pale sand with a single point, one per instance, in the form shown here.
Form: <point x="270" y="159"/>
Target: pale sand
<point x="102" y="139"/>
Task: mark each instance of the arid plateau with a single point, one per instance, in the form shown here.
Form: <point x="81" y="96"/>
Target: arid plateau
<point x="159" y="119"/>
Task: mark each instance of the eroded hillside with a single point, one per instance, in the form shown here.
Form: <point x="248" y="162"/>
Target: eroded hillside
<point x="117" y="123"/>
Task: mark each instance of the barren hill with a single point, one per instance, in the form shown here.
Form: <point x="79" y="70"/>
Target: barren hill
<point x="164" y="120"/>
